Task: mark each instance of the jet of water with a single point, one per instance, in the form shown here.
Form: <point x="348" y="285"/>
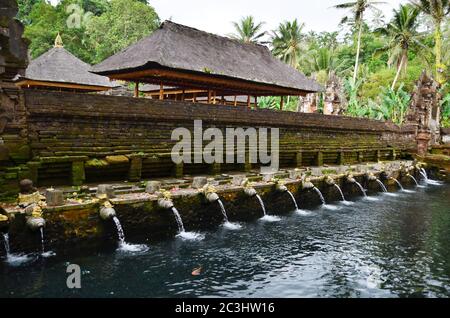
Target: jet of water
<point x="423" y="172"/>
<point x="340" y="191"/>
<point x="224" y="212"/>
<point x="382" y="185"/>
<point x="6" y="243"/>
<point x="320" y="195"/>
<point x="42" y="240"/>
<point x="399" y="184"/>
<point x="361" y="188"/>
<point x="412" y="177"/>
<point x="120" y="232"/>
<point x="293" y="200"/>
<point x="179" y="220"/>
<point x="262" y="204"/>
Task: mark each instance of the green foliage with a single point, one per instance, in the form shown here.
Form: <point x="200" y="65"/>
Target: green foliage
<point x="287" y="42"/>
<point x="389" y="104"/>
<point x="248" y="31"/>
<point x="393" y="105"/>
<point x="124" y="24"/>
<point x="384" y="78"/>
<point x="446" y="111"/>
<point x="25" y="7"/>
<point x="105" y="27"/>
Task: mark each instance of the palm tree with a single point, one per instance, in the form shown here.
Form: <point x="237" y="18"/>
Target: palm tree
<point x="287" y="42"/>
<point x="358" y="8"/>
<point x="248" y="31"/>
<point x="403" y="36"/>
<point x="437" y="10"/>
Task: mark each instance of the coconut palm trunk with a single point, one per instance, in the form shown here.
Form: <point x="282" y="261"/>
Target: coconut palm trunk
<point x="358" y="49"/>
<point x="438" y="53"/>
<point x="401" y="66"/>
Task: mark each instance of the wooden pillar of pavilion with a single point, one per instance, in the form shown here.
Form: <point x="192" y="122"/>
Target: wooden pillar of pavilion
<point x="161" y="91"/>
<point x="209" y="96"/>
<point x="282" y="103"/>
<point x="136" y="90"/>
<point x="235" y="100"/>
<point x="248" y="101"/>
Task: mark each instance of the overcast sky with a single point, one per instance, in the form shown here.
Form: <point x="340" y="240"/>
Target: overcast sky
<point x="216" y="15"/>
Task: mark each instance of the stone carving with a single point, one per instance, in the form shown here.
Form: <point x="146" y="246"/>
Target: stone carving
<point x="424" y="112"/>
<point x="308" y="103"/>
<point x="334" y="96"/>
<point x="13" y="48"/>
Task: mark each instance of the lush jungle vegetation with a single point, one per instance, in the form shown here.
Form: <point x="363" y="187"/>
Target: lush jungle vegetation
<point x="376" y="60"/>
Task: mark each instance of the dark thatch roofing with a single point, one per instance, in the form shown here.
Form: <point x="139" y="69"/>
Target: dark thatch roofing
<point x="60" y="66"/>
<point x="180" y="47"/>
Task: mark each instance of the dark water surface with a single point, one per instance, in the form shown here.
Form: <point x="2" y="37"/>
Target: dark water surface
<point x="398" y="246"/>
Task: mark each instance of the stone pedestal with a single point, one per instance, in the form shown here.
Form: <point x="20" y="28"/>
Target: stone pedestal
<point x="423" y="141"/>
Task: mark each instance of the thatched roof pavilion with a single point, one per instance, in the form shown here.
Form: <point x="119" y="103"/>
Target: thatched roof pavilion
<point x="59" y="69"/>
<point x="189" y="59"/>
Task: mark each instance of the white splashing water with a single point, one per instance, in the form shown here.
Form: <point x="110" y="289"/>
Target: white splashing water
<point x="320" y="195"/>
<point x="123" y="245"/>
<point x="399" y="184"/>
<point x="434" y="182"/>
<point x="179" y="220"/>
<point x="361" y="188"/>
<point x="19" y="259"/>
<point x="189" y="236"/>
<point x="303" y="212"/>
<point x="227" y="224"/>
<point x="270" y="218"/>
<point x="232" y="226"/>
<point x="262" y="204"/>
<point x="381" y="185"/>
<point x="14" y="259"/>
<point x="293" y="200"/>
<point x="133" y="248"/>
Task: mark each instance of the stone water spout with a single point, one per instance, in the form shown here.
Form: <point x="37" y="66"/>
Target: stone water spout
<point x="34" y="218"/>
<point x="280" y="186"/>
<point x="210" y="193"/>
<point x="307" y="184"/>
<point x="165" y="202"/>
<point x="107" y="212"/>
<point x="329" y="181"/>
<point x="350" y="179"/>
<point x="248" y="189"/>
<point x="371" y="177"/>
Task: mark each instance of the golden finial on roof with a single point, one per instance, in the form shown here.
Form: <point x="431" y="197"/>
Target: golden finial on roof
<point x="58" y="41"/>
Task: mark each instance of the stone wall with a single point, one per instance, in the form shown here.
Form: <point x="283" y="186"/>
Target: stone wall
<point x="445" y="133"/>
<point x="14" y="147"/>
<point x="65" y="138"/>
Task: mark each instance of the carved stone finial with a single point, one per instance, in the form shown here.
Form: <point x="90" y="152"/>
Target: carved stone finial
<point x="59" y="41"/>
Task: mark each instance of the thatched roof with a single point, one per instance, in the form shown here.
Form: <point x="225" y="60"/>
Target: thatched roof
<point x="60" y="67"/>
<point x="181" y="48"/>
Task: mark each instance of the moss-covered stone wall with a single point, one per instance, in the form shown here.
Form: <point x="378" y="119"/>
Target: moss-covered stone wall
<point x="70" y="139"/>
